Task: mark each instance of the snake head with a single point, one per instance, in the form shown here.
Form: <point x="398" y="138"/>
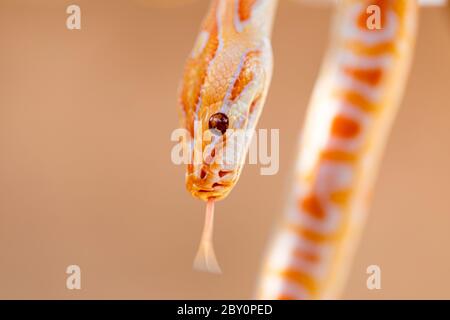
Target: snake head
<point x="221" y="98"/>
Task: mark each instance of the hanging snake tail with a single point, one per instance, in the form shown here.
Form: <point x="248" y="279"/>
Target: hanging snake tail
<point x="349" y="117"/>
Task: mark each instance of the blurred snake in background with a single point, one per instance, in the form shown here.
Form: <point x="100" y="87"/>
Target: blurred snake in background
<point x="355" y="100"/>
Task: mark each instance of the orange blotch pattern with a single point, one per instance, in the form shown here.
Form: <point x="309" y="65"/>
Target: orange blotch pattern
<point x="371" y="77"/>
<point x="344" y="127"/>
<point x="245" y="76"/>
<point x="311" y="205"/>
<point x="245" y="9"/>
<point x="338" y="156"/>
<point x="305" y="280"/>
<point x="363" y="49"/>
<point x="314" y="235"/>
<point x="306" y="256"/>
<point x="356" y="99"/>
<point x="362" y="19"/>
<point x="341" y="197"/>
<point x="285" y="297"/>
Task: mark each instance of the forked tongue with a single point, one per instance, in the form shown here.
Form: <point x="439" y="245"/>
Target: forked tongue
<point x="205" y="260"/>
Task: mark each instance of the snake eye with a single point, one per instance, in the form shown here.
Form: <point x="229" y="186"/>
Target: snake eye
<point x="219" y="121"/>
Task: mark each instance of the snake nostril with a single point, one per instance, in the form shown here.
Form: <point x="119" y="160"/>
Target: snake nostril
<point x="202" y="174"/>
<point x="223" y="173"/>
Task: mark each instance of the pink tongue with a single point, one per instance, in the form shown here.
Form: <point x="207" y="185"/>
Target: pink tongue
<point x="205" y="260"/>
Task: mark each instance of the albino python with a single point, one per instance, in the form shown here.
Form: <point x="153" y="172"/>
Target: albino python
<point x="356" y="97"/>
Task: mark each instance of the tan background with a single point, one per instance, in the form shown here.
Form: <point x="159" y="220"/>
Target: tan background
<point x="86" y="176"/>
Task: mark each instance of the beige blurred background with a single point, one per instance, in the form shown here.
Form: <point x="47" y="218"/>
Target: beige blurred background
<point x="86" y="176"/>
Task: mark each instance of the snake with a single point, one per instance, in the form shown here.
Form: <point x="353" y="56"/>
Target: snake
<point x="357" y="94"/>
